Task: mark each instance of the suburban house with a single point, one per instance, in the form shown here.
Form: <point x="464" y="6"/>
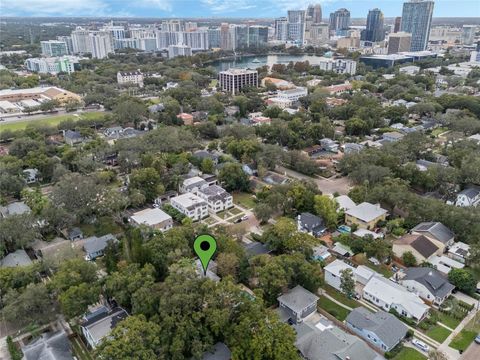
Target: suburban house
<point x="217" y="198"/>
<point x="190" y="205"/>
<point x="186" y="118"/>
<point x="154" y="218"/>
<point x="388" y="295"/>
<point x="31" y="175"/>
<point x="392" y="136"/>
<point x="73" y="137"/>
<point x="202" y="155"/>
<point x="333" y="273"/>
<point x="98" y="323"/>
<point x="469" y="197"/>
<point x="352" y="148"/>
<point x="220" y="351"/>
<point x="342" y="250"/>
<point x="444" y="264"/>
<point x="329" y="145"/>
<point x="298" y="303"/>
<point x="15" y="259"/>
<point x="95" y="246"/>
<point x="320" y="342"/>
<point x="427" y="283"/>
<point x="193" y="184"/>
<point x="364" y="233"/>
<point x="459" y="251"/>
<point x="15" y="208"/>
<point x="311" y="224"/>
<point x="436" y="232"/>
<point x="74" y="233"/>
<point x="344" y="203"/>
<point x="255" y="248"/>
<point x="381" y="329"/>
<point x="365" y="215"/>
<point x="250" y="169"/>
<point x="419" y="245"/>
<point x="321" y="253"/>
<point x="49" y="346"/>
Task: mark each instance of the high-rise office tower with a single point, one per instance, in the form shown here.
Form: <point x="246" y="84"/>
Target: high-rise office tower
<point x="172" y="25"/>
<point x="281" y="29"/>
<point x="475" y="55"/>
<point x="314" y="12"/>
<point x="54" y="48"/>
<point x="68" y="41"/>
<point x="117" y="31"/>
<point x="399" y="42"/>
<point x="257" y="36"/>
<point x="101" y="43"/>
<point x="468" y="34"/>
<point x="239" y="35"/>
<point x="396" y="26"/>
<point x="225" y="37"/>
<point x="214" y="38"/>
<point x="296" y="25"/>
<point x="233" y="80"/>
<point x="167" y="38"/>
<point x="318" y="34"/>
<point x="375" y="30"/>
<point x="81" y="41"/>
<point x="416" y="20"/>
<point x="340" y="19"/>
<point x="197" y="40"/>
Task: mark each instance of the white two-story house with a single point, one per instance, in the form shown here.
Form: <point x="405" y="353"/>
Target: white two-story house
<point x="217" y="198"/>
<point x="191" y="206"/>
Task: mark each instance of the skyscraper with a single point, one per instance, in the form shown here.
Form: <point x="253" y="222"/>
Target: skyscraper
<point x="214" y="38"/>
<point x="314" y="12"/>
<point x="396" y="27"/>
<point x="81" y="41"/>
<point x="416" y="20"/>
<point x="296" y="25"/>
<point x="375" y="30"/>
<point x="54" y="48"/>
<point x="340" y="19"/>
<point x="468" y="34"/>
<point x="399" y="42"/>
<point x="101" y="43"/>
<point x="281" y="29"/>
<point x="257" y="36"/>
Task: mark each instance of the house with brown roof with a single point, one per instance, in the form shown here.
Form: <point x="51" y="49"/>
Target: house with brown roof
<point x="186" y="118"/>
<point x="419" y="245"/>
<point x="436" y="232"/>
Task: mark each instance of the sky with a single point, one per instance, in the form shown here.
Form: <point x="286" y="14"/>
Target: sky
<point x="219" y="8"/>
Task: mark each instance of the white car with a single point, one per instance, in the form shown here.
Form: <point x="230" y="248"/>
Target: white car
<point x="245" y="217"/>
<point x="421" y="345"/>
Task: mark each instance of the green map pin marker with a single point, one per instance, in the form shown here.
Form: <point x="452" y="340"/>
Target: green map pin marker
<point x="205" y="246"/>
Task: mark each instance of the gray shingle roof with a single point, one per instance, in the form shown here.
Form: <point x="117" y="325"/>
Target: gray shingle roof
<point x="94" y="244"/>
<point x="331" y="344"/>
<point x="298" y="298"/>
<point x="16" y="258"/>
<point x="311" y="222"/>
<point x="424" y="246"/>
<point x="219" y="352"/>
<point x="471" y="192"/>
<point x="432" y="279"/>
<point x="387" y="327"/>
<point x="436" y="230"/>
<point x="50" y="346"/>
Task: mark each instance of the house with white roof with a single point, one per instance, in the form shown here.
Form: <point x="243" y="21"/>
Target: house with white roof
<point x="190" y="205"/>
<point x="444" y="264"/>
<point x="154" y="218"/>
<point x="468" y="197"/>
<point x="344" y="203"/>
<point x="193" y="184"/>
<point x="365" y="215"/>
<point x="333" y="273"/>
<point x="459" y="251"/>
<point x="388" y="295"/>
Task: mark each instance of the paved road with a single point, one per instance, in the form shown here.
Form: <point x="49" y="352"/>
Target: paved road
<point x="472" y="353"/>
<point x="330" y="186"/>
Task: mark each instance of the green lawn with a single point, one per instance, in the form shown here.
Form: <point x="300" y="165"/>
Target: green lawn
<point x="244" y="199"/>
<point x="332" y="308"/>
<point x="438" y="333"/>
<point x="448" y="320"/>
<point x="438" y="131"/>
<point x="103" y="226"/>
<point x="48" y="121"/>
<point x="409" y="354"/>
<point x="337" y="295"/>
<point x="463" y="339"/>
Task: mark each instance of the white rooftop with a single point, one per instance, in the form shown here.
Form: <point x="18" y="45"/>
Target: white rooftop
<point x="150" y="217"/>
<point x="366" y="211"/>
<point x="391" y="293"/>
<point x="444" y="264"/>
<point x="344" y="202"/>
<point x="364" y="232"/>
<point x="193" y="180"/>
<point x="188" y="199"/>
<point x="337" y="266"/>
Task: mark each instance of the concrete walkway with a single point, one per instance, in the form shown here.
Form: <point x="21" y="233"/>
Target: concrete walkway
<point x="4" y="354"/>
<point x="445" y="326"/>
<point x="324" y="293"/>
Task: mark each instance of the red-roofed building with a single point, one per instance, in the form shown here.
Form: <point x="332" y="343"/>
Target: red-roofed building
<point x="186" y="118"/>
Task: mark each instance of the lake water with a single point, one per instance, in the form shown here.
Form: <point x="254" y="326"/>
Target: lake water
<point x="251" y="61"/>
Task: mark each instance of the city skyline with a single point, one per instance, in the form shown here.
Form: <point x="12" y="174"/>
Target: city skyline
<point x="219" y="8"/>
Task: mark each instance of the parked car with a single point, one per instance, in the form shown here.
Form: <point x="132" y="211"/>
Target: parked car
<point x="421" y="345"/>
<point x="244" y="217"/>
<point x="477" y="339"/>
<point x="358" y="296"/>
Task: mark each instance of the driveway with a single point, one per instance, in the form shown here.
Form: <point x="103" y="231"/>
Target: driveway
<point x="328" y="186"/>
<point x="472" y="353"/>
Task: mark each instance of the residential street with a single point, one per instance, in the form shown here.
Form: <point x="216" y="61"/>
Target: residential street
<point x="472" y="353"/>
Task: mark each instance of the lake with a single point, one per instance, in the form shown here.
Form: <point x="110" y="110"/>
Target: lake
<point x="248" y="61"/>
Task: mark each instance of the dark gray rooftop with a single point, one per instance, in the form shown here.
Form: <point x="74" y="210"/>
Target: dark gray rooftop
<point x="436" y="230"/>
<point x="432" y="279"/>
<point x="298" y="299"/>
<point x="386" y="326"/>
<point x="49" y="346"/>
<point x="220" y="351"/>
